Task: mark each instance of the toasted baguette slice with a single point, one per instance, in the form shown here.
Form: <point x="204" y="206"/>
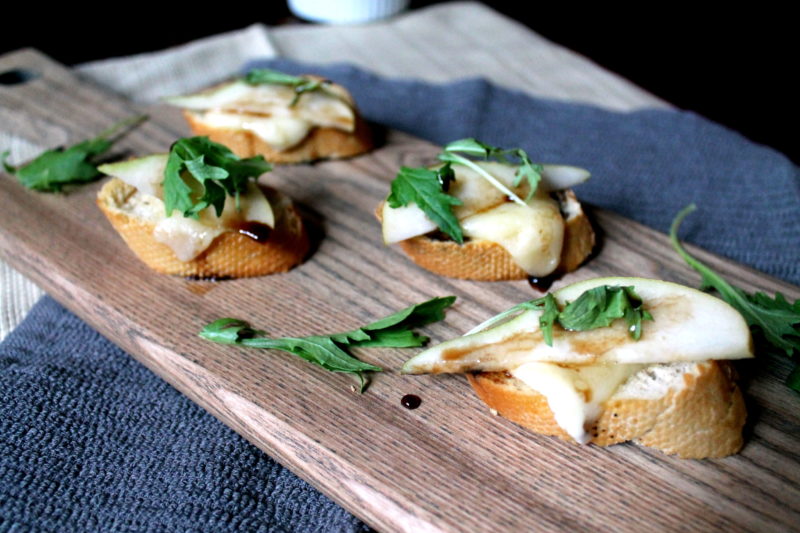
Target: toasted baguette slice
<point x="320" y="143"/>
<point x="692" y="410"/>
<point x="231" y="255"/>
<point x="483" y="260"/>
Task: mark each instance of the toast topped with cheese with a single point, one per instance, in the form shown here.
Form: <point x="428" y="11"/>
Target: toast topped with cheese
<point x="571" y="365"/>
<point x="286" y="119"/>
<point x="182" y="224"/>
<point x="478" y="220"/>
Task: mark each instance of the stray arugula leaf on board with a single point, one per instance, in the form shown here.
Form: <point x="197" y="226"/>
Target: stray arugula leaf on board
<point x="200" y="173"/>
<point x="775" y="320"/>
<point x="595" y="308"/>
<point x="428" y="188"/>
<point x="54" y="169"/>
<point x="329" y="351"/>
<point x="264" y="76"/>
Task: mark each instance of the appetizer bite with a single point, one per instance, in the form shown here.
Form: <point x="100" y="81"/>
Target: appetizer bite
<point x="609" y="360"/>
<point x="199" y="211"/>
<point x="287" y="119"/>
<point x="488" y="220"/>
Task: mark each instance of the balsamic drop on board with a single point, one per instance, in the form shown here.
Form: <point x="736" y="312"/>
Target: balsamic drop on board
<point x="410" y="401"/>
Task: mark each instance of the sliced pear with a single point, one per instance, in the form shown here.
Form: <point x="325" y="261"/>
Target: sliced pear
<point x="401" y="223"/>
<point x="213" y="98"/>
<point x="144" y="173"/>
<point x="251" y="107"/>
<point x="688" y="325"/>
<point x="560" y="177"/>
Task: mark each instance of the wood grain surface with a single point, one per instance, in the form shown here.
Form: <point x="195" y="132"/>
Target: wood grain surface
<point x="446" y="466"/>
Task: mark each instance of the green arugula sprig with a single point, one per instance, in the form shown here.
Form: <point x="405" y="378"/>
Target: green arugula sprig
<point x="329" y="351"/>
<point x="530" y="172"/>
<point x="54" y="169"/>
<point x="200" y="173"/>
<point x="264" y="76"/>
<point x="775" y="320"/>
<point x="428" y="188"/>
<point x="595" y="308"/>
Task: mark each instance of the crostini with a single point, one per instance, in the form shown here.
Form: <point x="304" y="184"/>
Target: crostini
<point x="570" y="365"/>
<point x="286" y="119"/>
<point x="479" y="220"/>
<point x="199" y="212"/>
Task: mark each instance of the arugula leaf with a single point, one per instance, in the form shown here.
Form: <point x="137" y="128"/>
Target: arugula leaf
<point x="424" y="187"/>
<point x="328" y="351"/>
<point x="54" y="169"/>
<point x="775" y="320"/>
<point x="527" y="170"/>
<point x="201" y="173"/>
<point x="600" y="306"/>
<point x="263" y="76"/>
<point x="595" y="308"/>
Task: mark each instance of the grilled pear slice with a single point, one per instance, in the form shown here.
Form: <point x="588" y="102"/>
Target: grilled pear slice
<point x="687" y="325"/>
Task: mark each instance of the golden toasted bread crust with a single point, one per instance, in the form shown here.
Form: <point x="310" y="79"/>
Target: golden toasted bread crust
<point x="231" y="255"/>
<point x="702" y="419"/>
<point x="483" y="260"/>
<point x="320" y="143"/>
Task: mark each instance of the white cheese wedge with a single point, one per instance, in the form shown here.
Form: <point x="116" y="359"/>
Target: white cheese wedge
<point x="575" y="394"/>
<point x="267" y="111"/>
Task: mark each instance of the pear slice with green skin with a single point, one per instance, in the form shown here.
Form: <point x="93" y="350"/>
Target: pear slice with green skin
<point x="687" y="325"/>
<point x="144" y="173"/>
<point x="477" y="195"/>
<point x="214" y="97"/>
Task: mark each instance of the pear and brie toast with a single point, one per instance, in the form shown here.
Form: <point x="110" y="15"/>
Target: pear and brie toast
<point x="286" y="119"/>
<point x="254" y="233"/>
<point x="536" y="236"/>
<point x="673" y="389"/>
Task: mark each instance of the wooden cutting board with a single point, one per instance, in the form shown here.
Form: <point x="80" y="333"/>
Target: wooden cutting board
<point x="448" y="465"/>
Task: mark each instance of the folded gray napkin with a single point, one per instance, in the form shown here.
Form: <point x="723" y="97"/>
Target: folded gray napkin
<point x="91" y="440"/>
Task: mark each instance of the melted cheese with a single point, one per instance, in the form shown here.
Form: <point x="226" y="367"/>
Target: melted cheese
<point x="279" y="132"/>
<point x="533" y="235"/>
<point x="267" y="111"/>
<point x="575" y="394"/>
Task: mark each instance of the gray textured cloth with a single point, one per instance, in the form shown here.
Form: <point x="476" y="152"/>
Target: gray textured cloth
<point x="92" y="440"/>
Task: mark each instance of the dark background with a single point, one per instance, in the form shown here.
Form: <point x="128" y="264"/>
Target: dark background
<point x="733" y="66"/>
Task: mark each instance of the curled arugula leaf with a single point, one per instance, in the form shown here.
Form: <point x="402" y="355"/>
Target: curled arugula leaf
<point x="527" y="170"/>
<point x="595" y="308"/>
<point x="264" y="76"/>
<point x="200" y="173"/>
<point x="774" y="320"/>
<point x="328" y="351"/>
<point x="54" y="169"/>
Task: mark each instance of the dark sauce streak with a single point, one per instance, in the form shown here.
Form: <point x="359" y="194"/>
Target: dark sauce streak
<point x="543" y="284"/>
<point x="410" y="401"/>
<point x="255" y="230"/>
